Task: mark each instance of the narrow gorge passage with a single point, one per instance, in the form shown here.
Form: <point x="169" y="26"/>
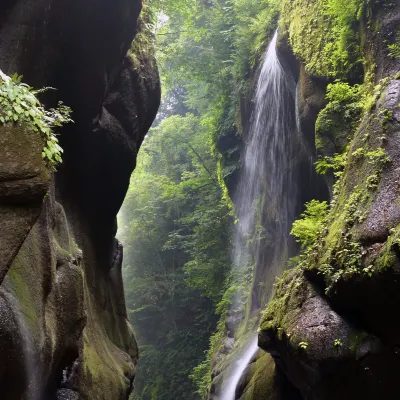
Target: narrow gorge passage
<point x="199" y="199"/>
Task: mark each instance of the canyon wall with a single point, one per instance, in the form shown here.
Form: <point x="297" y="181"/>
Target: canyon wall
<point x="330" y="328"/>
<point x="64" y="332"/>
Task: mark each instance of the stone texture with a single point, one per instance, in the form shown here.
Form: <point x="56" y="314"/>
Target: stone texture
<point x="24" y="181"/>
<point x="342" y="343"/>
<point x="63" y="322"/>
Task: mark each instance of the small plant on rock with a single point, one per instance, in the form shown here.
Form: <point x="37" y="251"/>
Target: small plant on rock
<point x="19" y="104"/>
<point x="306" y="230"/>
<point x="394" y="50"/>
<point x="338" y="343"/>
<point x="303" y="345"/>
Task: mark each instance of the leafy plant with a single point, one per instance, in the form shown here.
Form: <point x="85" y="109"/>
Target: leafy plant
<point x="369" y="270"/>
<point x="373" y="182"/>
<point x="19" y="104"/>
<point x="306" y="230"/>
<point x="394" y="50"/>
<point x="335" y="163"/>
<point x="378" y="157"/>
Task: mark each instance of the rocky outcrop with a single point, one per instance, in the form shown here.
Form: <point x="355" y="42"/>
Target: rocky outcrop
<point x="330" y="327"/>
<point x="264" y="381"/>
<point x="63" y="322"/>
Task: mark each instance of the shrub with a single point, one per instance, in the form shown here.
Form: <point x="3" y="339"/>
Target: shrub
<point x="19" y="104"/>
<point x="307" y="229"/>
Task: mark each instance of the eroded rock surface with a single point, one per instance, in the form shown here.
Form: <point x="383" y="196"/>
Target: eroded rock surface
<point x="331" y="327"/>
<point x="64" y="332"/>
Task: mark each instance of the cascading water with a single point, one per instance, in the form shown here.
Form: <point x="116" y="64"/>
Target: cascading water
<point x="33" y="384"/>
<point x="266" y="194"/>
<point x="239" y="368"/>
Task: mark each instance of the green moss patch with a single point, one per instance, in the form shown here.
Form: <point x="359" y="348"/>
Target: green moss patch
<point x="324" y="34"/>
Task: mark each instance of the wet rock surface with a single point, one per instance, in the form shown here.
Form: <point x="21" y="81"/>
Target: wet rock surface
<point x="63" y="323"/>
<point x="336" y="337"/>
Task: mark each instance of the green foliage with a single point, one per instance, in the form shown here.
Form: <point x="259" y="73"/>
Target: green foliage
<point x="202" y="378"/>
<point x="201" y="375"/>
<point x="335" y="163"/>
<point x="255" y="21"/>
<point x="341" y="113"/>
<point x="378" y="157"/>
<point x="307" y="229"/>
<point x="211" y="50"/>
<point x="394" y="50"/>
<point x="206" y="53"/>
<point x="324" y="34"/>
<point x="341" y="93"/>
<point x="19" y="104"/>
<point x="176" y="226"/>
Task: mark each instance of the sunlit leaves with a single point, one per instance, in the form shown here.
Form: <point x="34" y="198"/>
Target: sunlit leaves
<point x="175" y="227"/>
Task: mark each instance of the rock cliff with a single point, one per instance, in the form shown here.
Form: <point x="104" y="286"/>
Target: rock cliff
<point x="64" y="332"/>
<point x="331" y="328"/>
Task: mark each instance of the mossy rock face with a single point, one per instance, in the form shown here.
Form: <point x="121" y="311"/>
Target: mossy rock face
<point x="356" y="257"/>
<point x="311" y="100"/>
<point x="330" y="327"/>
<point x="24" y="181"/>
<point x="264" y="381"/>
<point x="318" y="35"/>
<point x="322" y="353"/>
<point x="64" y="332"/>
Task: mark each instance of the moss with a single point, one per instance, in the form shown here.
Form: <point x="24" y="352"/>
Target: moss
<point x="92" y="361"/>
<point x="336" y="122"/>
<point x="387" y="256"/>
<point x="338" y="253"/>
<point x="324" y="34"/>
<point x="142" y="51"/>
<point x="289" y="295"/>
<point x="263" y="384"/>
<point x="105" y="372"/>
<point x="21" y="289"/>
<point x="21" y="275"/>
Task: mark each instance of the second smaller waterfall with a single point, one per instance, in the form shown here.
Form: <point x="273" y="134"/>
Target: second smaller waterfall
<point x="238" y="370"/>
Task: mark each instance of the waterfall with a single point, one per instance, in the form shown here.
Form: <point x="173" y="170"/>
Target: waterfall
<point x="239" y="368"/>
<point x="30" y="361"/>
<point x="266" y="195"/>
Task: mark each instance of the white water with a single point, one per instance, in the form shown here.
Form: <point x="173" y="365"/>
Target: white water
<point x="266" y="193"/>
<point x="238" y="370"/>
<point x="265" y="196"/>
<point x="33" y="383"/>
